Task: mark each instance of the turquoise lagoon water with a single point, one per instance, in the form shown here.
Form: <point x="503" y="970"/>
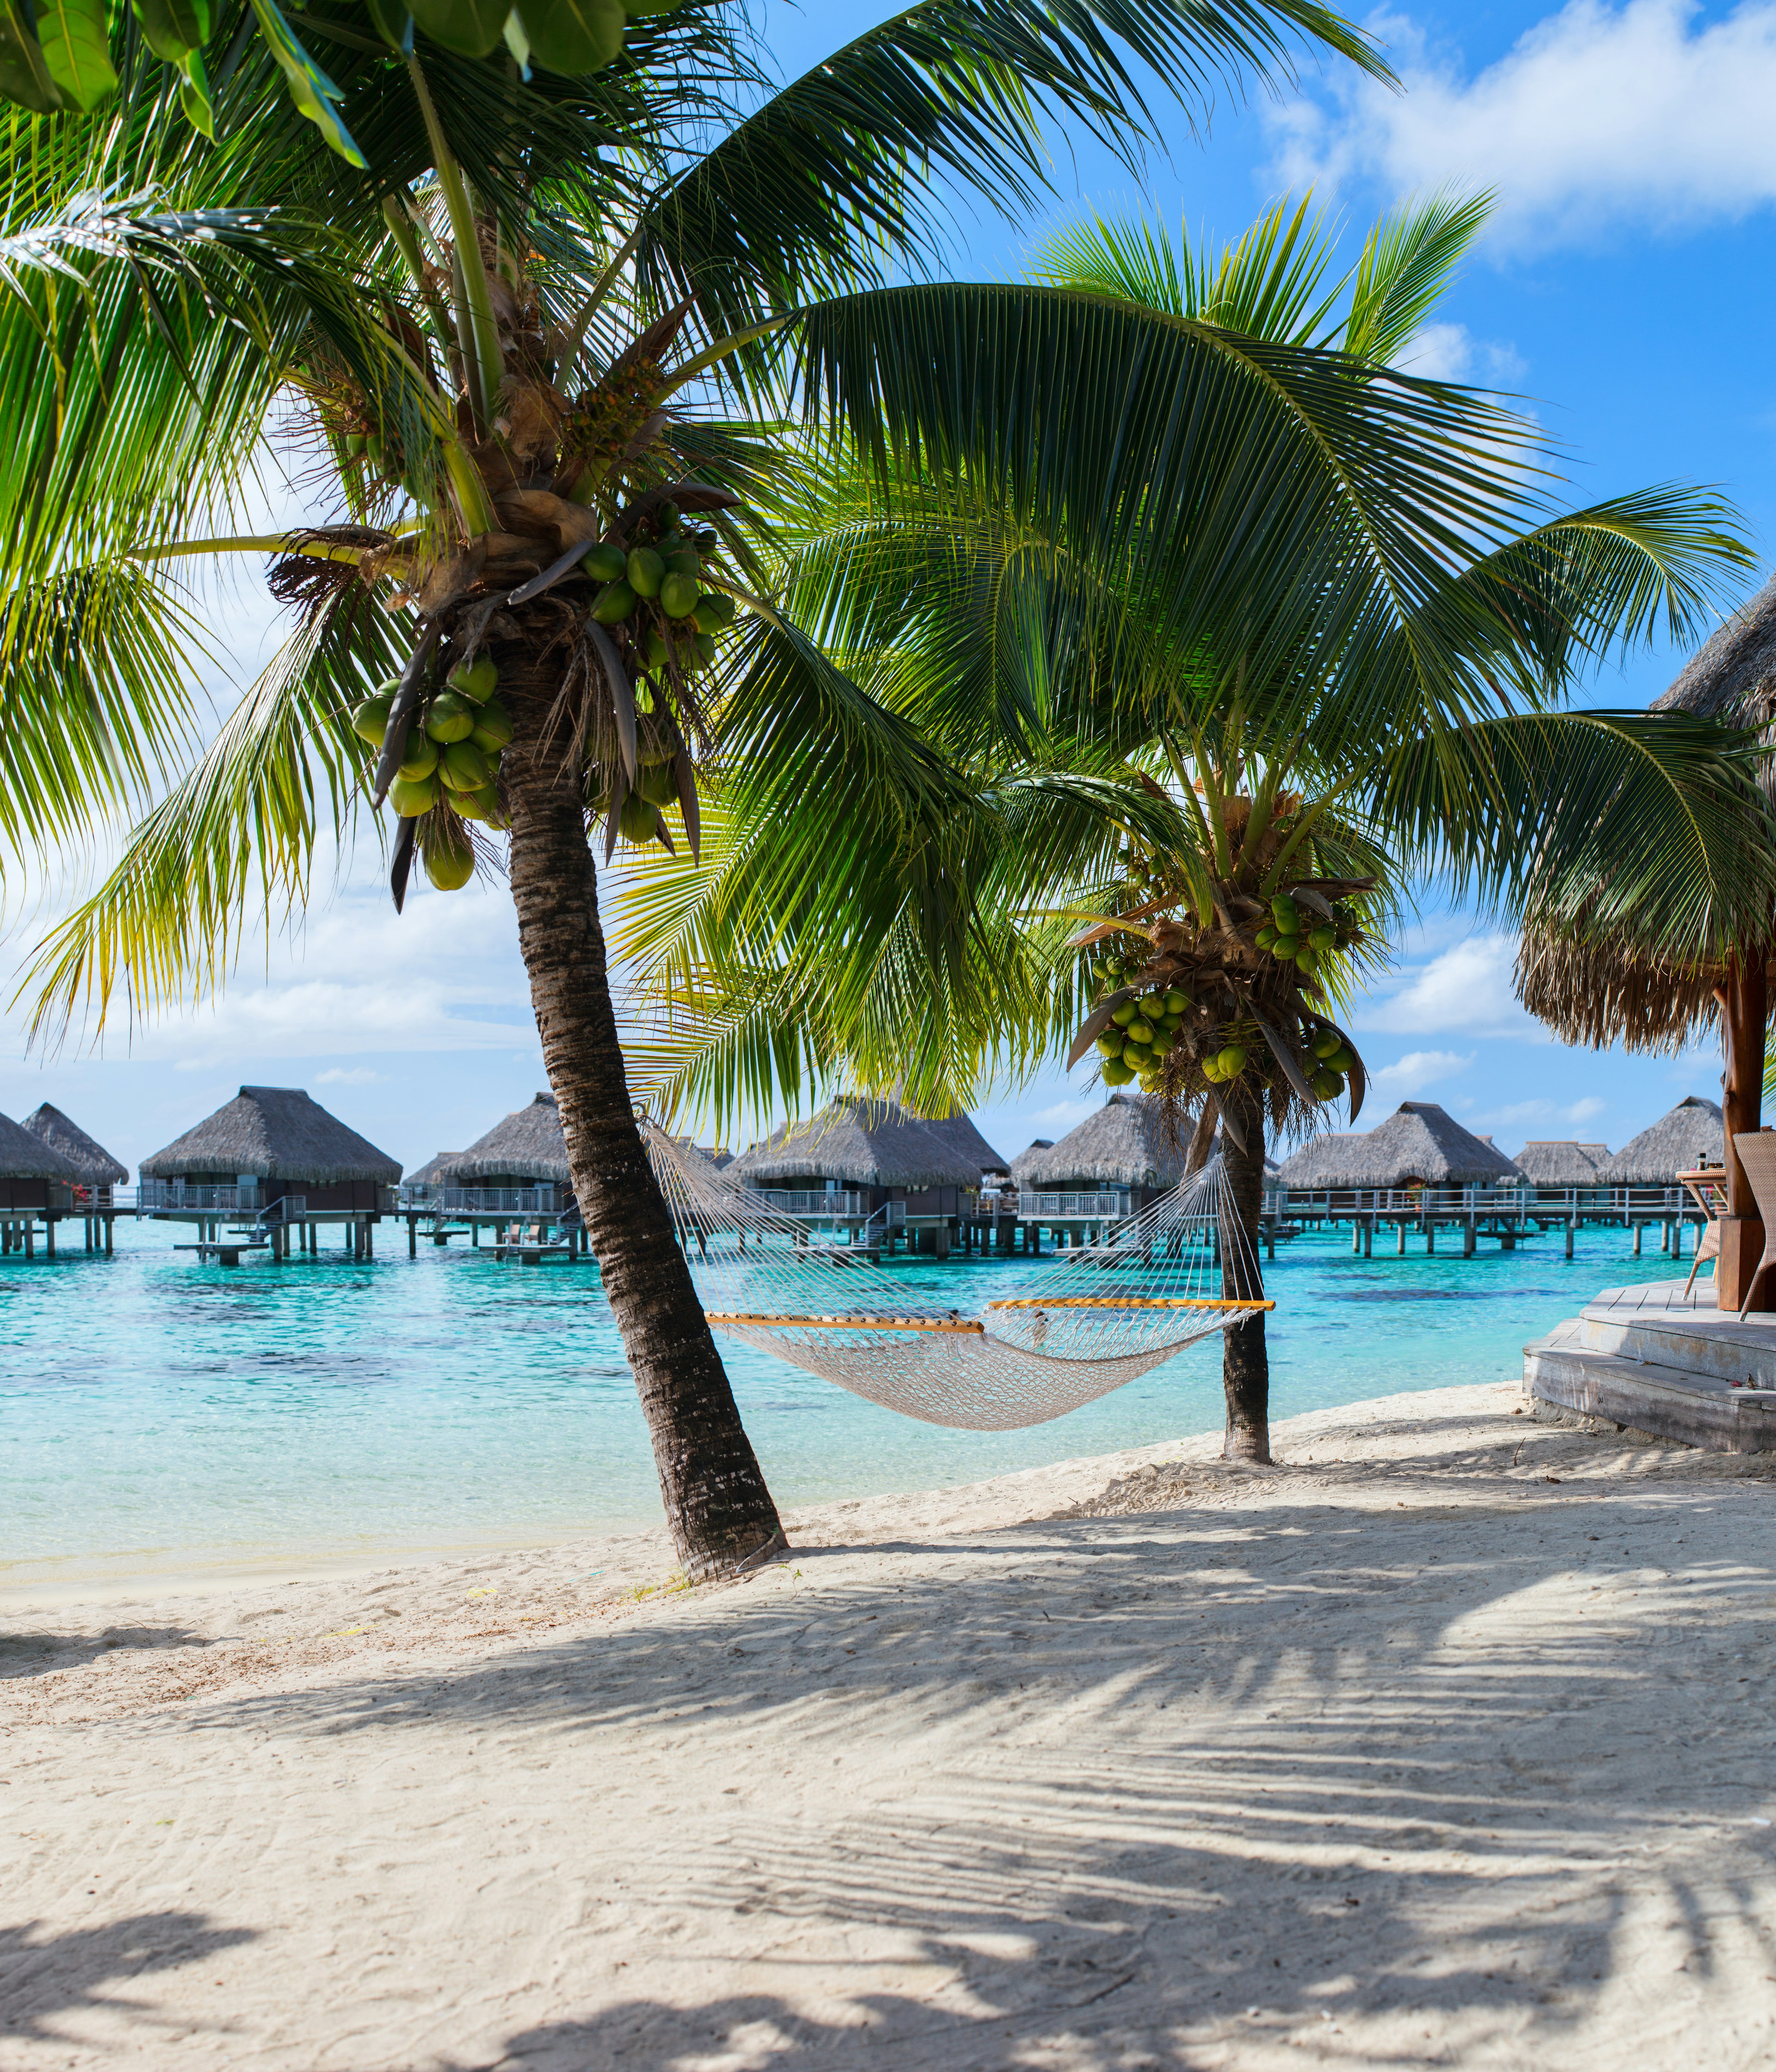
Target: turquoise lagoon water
<point x="161" y="1417"/>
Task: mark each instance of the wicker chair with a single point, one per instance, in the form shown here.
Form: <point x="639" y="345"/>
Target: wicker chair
<point x="1756" y="1149"/>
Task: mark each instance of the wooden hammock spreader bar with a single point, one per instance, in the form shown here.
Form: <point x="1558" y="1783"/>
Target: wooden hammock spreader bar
<point x="849" y="1323"/>
<point x="1121" y="1302"/>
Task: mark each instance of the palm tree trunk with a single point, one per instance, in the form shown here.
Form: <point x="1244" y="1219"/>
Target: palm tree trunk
<point x="1245" y="1364"/>
<point x="719" y="1509"/>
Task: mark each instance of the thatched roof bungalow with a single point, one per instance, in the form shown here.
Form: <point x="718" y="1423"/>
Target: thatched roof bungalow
<point x="1020" y="1166"/>
<point x="434" y="1173"/>
<point x="35" y="1178"/>
<point x="1559" y="1163"/>
<point x="958" y="1130"/>
<point x="1690" y="1135"/>
<point x="526" y="1149"/>
<point x="99" y="1171"/>
<point x="864" y="1145"/>
<point x="1126" y="1146"/>
<point x="286" y="1142"/>
<point x="1419" y="1146"/>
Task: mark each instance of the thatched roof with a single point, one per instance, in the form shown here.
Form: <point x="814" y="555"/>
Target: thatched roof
<point x="861" y="1142"/>
<point x="24" y="1156"/>
<point x="1550" y="1161"/>
<point x="958" y="1130"/>
<point x="528" y="1145"/>
<point x="434" y="1172"/>
<point x="1126" y="1144"/>
<point x="274" y="1133"/>
<point x="1020" y="1166"/>
<point x="1420" y="1143"/>
<point x="97" y="1168"/>
<point x="1692" y="1135"/>
<point x="1598" y="997"/>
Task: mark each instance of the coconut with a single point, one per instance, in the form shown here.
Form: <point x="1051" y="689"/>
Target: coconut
<point x="464" y="768"/>
<point x="449" y="865"/>
<point x="370" y="720"/>
<point x="613" y="604"/>
<point x="419" y="758"/>
<point x="451" y="718"/>
<point x="646" y="572"/>
<point x="639" y="820"/>
<point x="492" y="728"/>
<point x="412" y="798"/>
<point x="478" y="681"/>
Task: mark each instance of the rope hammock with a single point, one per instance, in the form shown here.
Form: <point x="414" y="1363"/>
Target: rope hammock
<point x="1096" y="1317"/>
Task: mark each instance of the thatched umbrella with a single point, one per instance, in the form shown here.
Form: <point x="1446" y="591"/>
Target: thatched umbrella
<point x="526" y="1149"/>
<point x="277" y="1134"/>
<point x="1599" y="995"/>
<point x="98" y="1169"/>
<point x="1549" y="1161"/>
<point x="860" y="1141"/>
<point x="1419" y="1144"/>
<point x="1690" y="1135"/>
<point x="1129" y="1143"/>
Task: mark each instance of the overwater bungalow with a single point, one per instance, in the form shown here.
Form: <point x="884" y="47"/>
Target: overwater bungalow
<point x="1688" y="1136"/>
<point x="1563" y="1165"/>
<point x="37" y="1184"/>
<point x="864" y="1164"/>
<point x="1113" y="1164"/>
<point x="958" y="1130"/>
<point x="273" y="1160"/>
<point x="514" y="1181"/>
<point x="100" y="1172"/>
<point x="1020" y="1166"/>
<point x="1419" y="1146"/>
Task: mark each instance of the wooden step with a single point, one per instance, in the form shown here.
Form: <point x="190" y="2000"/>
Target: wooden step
<point x="1669" y="1401"/>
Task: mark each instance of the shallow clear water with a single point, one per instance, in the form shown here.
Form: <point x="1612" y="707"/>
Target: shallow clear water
<point x="157" y="1416"/>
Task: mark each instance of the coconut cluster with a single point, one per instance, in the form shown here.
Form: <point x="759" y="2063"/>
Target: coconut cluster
<point x="451" y="759"/>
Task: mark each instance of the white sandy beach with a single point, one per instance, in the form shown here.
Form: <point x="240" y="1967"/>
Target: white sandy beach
<point x="1447" y="1742"/>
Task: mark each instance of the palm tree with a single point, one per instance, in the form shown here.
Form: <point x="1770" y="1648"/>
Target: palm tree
<point x="1283" y="773"/>
<point x="530" y="339"/>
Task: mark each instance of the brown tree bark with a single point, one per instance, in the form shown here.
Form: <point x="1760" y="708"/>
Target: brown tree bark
<point x="1245" y="1362"/>
<point x="718" y="1506"/>
<point x="1745" y="1012"/>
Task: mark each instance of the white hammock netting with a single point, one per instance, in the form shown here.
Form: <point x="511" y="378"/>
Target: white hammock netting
<point x="1095" y="1318"/>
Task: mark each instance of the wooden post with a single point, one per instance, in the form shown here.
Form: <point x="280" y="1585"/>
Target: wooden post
<point x="1745" y="1007"/>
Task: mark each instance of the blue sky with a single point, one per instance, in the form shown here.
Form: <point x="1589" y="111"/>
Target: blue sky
<point x="1624" y="290"/>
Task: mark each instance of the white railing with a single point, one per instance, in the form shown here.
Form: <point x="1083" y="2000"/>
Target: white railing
<point x="1069" y="1208"/>
<point x="452" y="1201"/>
<point x="197" y="1199"/>
<point x="1518" y="1201"/>
<point x="817" y="1202"/>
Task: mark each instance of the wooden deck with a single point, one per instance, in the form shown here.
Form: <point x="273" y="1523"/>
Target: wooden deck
<point x="1650" y="1359"/>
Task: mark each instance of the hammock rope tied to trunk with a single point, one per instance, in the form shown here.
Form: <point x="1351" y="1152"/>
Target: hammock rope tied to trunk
<point x="1095" y="1318"/>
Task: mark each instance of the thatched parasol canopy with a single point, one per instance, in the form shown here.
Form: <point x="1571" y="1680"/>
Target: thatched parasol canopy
<point x="1598" y="996"/>
<point x="527" y="1146"/>
<point x="860" y="1141"/>
<point x="274" y="1133"/>
<point x="25" y="1156"/>
<point x="1692" y="1135"/>
<point x="97" y="1168"/>
<point x="1419" y="1144"/>
<point x="1549" y="1161"/>
<point x="1126" y="1144"/>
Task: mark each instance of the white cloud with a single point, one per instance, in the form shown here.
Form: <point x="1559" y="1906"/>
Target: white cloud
<point x="1598" y="117"/>
<point x="360" y="1075"/>
<point x="1450" y="352"/>
<point x="1408" y="1077"/>
<point x="1466" y="989"/>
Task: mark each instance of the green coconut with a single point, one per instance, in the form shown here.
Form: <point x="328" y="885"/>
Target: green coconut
<point x="1141" y="1030"/>
<point x="1324" y="937"/>
<point x="1326" y="1083"/>
<point x="492" y="728"/>
<point x="607" y="563"/>
<point x="614" y="603"/>
<point x="419" y="758"/>
<point x="1232" y="1060"/>
<point x="639" y="820"/>
<point x="657" y="782"/>
<point x="370" y="720"/>
<point x="1109" y="1045"/>
<point x="411" y="799"/>
<point x="464" y="768"/>
<point x="1122" y="1016"/>
<point x="646" y="572"/>
<point x="705" y="645"/>
<point x="449" y="865"/>
<point x="478" y="681"/>
<point x="1115" y="1073"/>
<point x="713" y="611"/>
<point x="573" y="37"/>
<point x="678" y="595"/>
<point x="1285" y="914"/>
<point x="1325" y="1042"/>
<point x="451" y="718"/>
